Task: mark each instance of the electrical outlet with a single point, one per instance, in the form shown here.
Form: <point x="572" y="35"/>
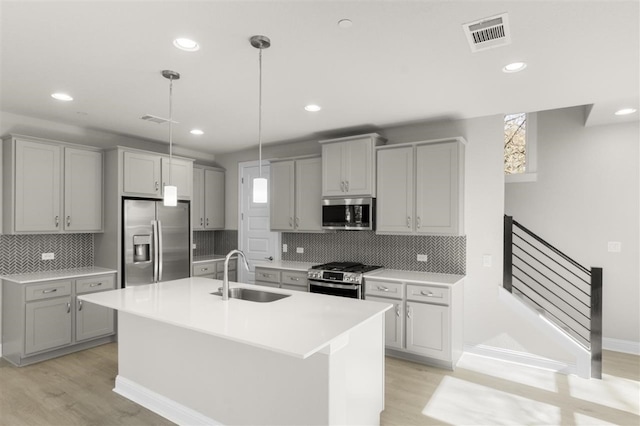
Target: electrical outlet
<point x="422" y="257"/>
<point x="300" y="250"/>
<point x="193" y="246"/>
<point x="487" y="260"/>
<point x="614" y="246"/>
<point x="285" y="248"/>
<point x="48" y="256"/>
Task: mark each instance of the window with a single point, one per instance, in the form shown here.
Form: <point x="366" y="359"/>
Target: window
<point x="519" y="147"/>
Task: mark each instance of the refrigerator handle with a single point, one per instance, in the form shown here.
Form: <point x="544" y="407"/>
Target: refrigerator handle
<point x="156" y="249"/>
<point x="160" y="260"/>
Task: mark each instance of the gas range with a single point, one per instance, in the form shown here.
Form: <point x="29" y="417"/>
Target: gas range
<point x="339" y="278"/>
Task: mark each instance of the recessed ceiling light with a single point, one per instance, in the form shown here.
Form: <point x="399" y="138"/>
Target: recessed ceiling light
<point x="514" y="67"/>
<point x="313" y="108"/>
<point x="186" y="44"/>
<point x="345" y="23"/>
<point x="196" y="132"/>
<point x="61" y="97"/>
<point x="625" y="111"/>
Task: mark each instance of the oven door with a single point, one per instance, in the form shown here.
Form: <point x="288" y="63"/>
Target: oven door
<point x="353" y="291"/>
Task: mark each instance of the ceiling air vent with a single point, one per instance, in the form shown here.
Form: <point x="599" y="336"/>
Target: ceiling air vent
<point x="155" y="119"/>
<point x="488" y="33"/>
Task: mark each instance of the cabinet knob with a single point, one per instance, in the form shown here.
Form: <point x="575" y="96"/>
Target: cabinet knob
<point x="297" y="222"/>
<point x="408" y="221"/>
<point x="201" y="222"/>
<point x="68" y="220"/>
<point x="418" y="221"/>
<point x="382" y="288"/>
<point x="57" y="219"/>
<point x="156" y="185"/>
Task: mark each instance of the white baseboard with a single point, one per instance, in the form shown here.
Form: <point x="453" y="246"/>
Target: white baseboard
<point x="617" y="345"/>
<point x="523" y="358"/>
<point x="161" y="405"/>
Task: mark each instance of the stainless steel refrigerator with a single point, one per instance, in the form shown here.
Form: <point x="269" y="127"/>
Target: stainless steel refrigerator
<point x="156" y="242"/>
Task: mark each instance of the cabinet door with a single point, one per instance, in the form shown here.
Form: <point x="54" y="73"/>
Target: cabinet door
<point x="429" y="330"/>
<point x="93" y="321"/>
<point x="358" y="167"/>
<point x="332" y="170"/>
<point x="395" y="190"/>
<point x="142" y="174"/>
<point x="308" y="195"/>
<point x="438" y="197"/>
<point x="393" y="322"/>
<point x="82" y="190"/>
<point x="179" y="174"/>
<point x="282" y="214"/>
<point x="37" y="187"/>
<point x="48" y="324"/>
<point x="197" y="201"/>
<point x="214" y="199"/>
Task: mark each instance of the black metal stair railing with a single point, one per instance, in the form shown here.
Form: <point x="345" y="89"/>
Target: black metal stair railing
<point x="565" y="292"/>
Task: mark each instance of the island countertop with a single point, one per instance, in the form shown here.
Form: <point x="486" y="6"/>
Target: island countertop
<point x="298" y="326"/>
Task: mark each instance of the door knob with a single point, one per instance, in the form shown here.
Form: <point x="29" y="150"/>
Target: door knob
<point x="270" y="258"/>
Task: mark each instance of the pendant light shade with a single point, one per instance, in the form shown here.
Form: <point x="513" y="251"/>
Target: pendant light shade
<point x="260" y="184"/>
<point x="170" y="198"/>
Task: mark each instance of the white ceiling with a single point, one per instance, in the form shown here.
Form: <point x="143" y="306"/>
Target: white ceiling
<point x="400" y="62"/>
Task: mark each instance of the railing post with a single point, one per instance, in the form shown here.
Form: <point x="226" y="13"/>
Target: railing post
<point x="507" y="264"/>
<point x="596" y="323"/>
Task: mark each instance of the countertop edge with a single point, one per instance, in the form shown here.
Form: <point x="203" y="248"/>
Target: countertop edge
<point x="62" y="274"/>
<point x="416" y="277"/>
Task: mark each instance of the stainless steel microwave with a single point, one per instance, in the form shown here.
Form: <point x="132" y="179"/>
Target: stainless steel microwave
<point x="353" y="214"/>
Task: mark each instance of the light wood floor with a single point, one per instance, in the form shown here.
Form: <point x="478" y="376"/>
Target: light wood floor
<point x="77" y="390"/>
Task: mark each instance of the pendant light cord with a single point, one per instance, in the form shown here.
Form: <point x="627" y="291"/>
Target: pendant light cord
<point x="260" y="112"/>
<point x="170" y="126"/>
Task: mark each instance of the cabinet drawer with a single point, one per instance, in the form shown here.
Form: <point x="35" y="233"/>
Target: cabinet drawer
<point x="93" y="284"/>
<point x="383" y="289"/>
<point x="202" y="269"/>
<point x="294" y="278"/>
<point x="268" y="275"/>
<point x="233" y="265"/>
<point x="430" y="294"/>
<point x="48" y="290"/>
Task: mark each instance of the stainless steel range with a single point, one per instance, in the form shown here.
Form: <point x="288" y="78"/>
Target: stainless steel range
<point x="339" y="278"/>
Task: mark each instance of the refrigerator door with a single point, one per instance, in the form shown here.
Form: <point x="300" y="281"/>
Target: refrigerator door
<point x="173" y="224"/>
<point x="139" y="249"/>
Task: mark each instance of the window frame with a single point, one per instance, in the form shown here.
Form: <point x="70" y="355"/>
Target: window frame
<point x="531" y="154"/>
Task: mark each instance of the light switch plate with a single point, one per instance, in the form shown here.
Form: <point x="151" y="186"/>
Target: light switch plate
<point x="422" y="257"/>
<point x="193" y="246"/>
<point x="487" y="260"/>
<point x="285" y="248"/>
<point x="614" y="246"/>
<point x="299" y="249"/>
<point x="48" y="256"/>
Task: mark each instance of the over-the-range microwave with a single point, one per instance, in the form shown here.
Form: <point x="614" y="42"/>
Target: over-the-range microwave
<point x="354" y="214"/>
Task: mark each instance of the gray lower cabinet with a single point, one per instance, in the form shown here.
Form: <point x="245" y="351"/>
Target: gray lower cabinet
<point x="425" y="323"/>
<point x="214" y="269"/>
<point x="282" y="278"/>
<point x="43" y="320"/>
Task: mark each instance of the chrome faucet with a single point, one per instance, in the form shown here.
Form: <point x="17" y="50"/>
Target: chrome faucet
<point x="225" y="278"/>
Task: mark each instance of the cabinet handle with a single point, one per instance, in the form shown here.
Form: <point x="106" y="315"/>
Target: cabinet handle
<point x="408" y="221"/>
<point x="156" y="185"/>
<point x="79" y="305"/>
<point x="429" y="294"/>
<point x="68" y="307"/>
<point x="418" y="221"/>
<point x="408" y="311"/>
<point x="51" y="290"/>
<point x="398" y="310"/>
<point x="382" y="288"/>
<point x="346" y="185"/>
<point x="204" y="269"/>
<point x="207" y="224"/>
<point x="291" y="221"/>
<point x="68" y="220"/>
<point x="294" y="279"/>
<point x="342" y="186"/>
<point x="57" y="221"/>
<point x="95" y="284"/>
<point x="201" y="222"/>
<point x="297" y="222"/>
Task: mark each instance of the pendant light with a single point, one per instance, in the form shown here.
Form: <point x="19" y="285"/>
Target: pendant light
<point x="260" y="187"/>
<point x="170" y="191"/>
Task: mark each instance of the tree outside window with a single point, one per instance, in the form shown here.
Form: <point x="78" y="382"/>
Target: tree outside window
<point x="515" y="143"/>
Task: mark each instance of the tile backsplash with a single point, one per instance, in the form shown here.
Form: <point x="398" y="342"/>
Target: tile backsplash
<point x="214" y="242"/>
<point x="20" y="254"/>
<point x="445" y="254"/>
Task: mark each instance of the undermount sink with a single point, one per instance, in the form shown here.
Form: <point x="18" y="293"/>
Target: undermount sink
<point x="252" y="295"/>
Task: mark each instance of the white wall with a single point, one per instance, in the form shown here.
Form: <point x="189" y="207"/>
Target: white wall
<point x="587" y="195"/>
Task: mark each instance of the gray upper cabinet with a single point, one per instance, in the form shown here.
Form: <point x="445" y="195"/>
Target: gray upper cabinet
<point x="296" y="195"/>
<point x="348" y="166"/>
<point x="51" y="187"/>
<point x="146" y="174"/>
<point x="421" y="188"/>
<point x="207" y="207"/>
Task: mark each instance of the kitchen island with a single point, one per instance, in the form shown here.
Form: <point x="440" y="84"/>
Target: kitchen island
<point x="195" y="359"/>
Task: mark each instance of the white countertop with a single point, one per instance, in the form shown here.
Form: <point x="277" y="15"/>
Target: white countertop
<point x="62" y="274"/>
<point x="298" y="326"/>
<point x="416" y="277"/>
<point x="285" y="264"/>
<point x="209" y="258"/>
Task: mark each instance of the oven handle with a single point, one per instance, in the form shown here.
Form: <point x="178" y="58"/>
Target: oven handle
<point x="331" y="285"/>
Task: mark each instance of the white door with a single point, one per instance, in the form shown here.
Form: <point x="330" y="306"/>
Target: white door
<point x="255" y="238"/>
